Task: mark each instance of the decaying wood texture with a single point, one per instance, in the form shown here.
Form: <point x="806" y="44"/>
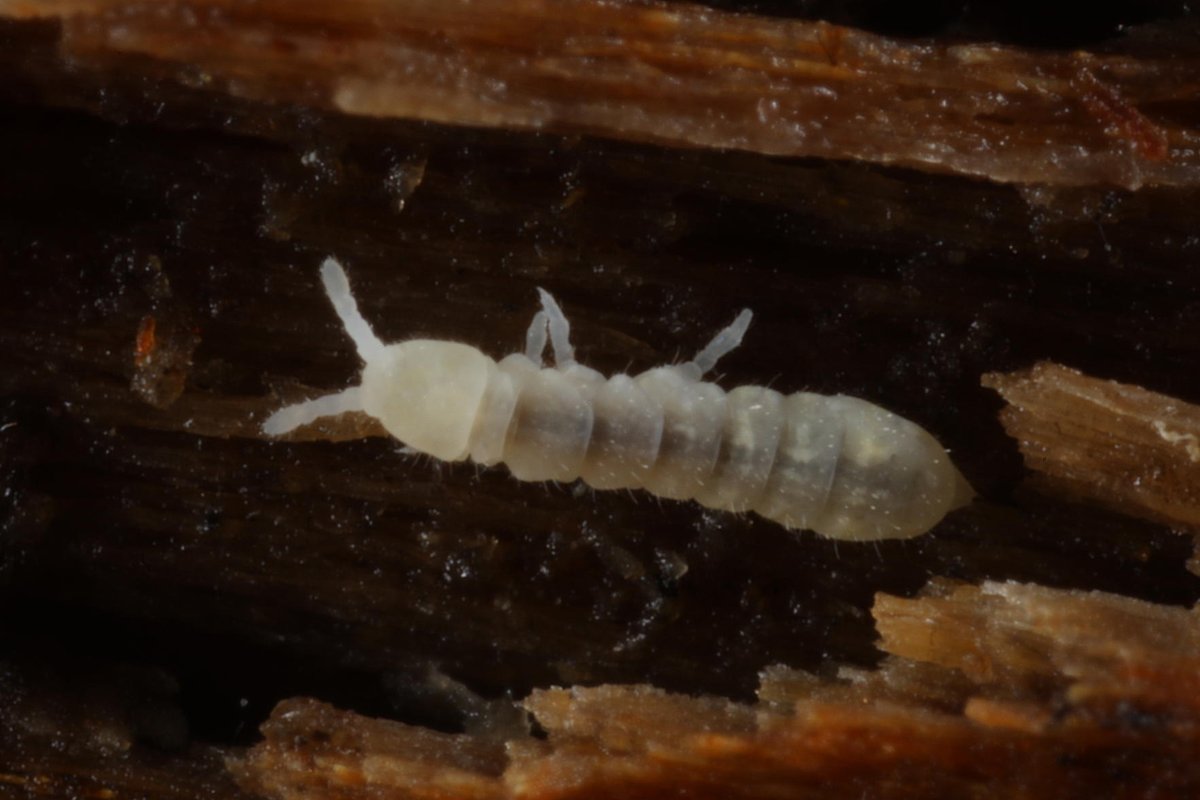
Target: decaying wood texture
<point x="675" y="75"/>
<point x="173" y="173"/>
<point x="1042" y="693"/>
<point x="77" y="726"/>
<point x="1135" y="450"/>
<point x="339" y="754"/>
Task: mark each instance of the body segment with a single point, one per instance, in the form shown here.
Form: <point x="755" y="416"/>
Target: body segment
<point x="837" y="465"/>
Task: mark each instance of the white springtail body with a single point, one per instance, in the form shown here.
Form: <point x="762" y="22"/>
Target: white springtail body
<point x="837" y="465"/>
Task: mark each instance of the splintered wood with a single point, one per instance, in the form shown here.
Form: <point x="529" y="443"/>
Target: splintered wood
<point x="1118" y="445"/>
<point x="678" y="74"/>
<point x="1103" y="654"/>
<point x="1003" y="690"/>
<point x="315" y="750"/>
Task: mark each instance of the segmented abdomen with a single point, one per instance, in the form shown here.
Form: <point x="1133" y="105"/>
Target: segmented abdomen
<point x="838" y="465"/>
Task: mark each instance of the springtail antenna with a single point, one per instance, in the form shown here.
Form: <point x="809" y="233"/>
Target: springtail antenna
<point x="291" y="417"/>
<point x="337" y="286"/>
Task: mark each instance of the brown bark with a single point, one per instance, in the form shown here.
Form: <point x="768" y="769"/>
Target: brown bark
<point x="676" y="75"/>
<point x="1059" y="694"/>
